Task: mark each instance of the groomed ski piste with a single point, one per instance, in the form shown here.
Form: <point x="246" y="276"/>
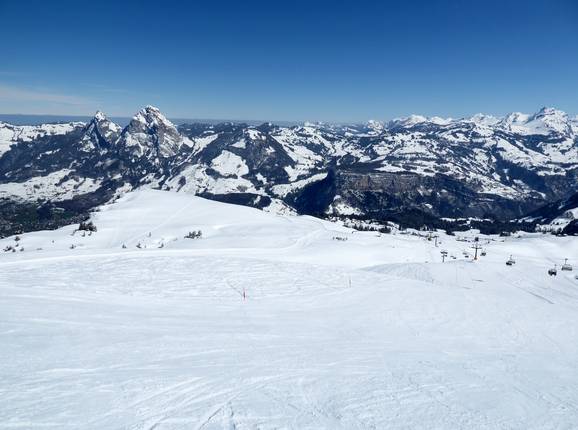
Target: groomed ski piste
<point x="281" y="322"/>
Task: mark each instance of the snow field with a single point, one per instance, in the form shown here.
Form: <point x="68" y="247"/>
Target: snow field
<point x="369" y="332"/>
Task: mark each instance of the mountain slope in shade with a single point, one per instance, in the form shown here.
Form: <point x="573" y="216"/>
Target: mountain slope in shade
<point x="558" y="217"/>
<point x="100" y="133"/>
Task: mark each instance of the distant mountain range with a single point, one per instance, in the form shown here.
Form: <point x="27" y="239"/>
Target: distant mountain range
<point x="36" y="119"/>
<point x="413" y="170"/>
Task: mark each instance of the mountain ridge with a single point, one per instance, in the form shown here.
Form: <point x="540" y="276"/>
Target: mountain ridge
<point x="480" y="166"/>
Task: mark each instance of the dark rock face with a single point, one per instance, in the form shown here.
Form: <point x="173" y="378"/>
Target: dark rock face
<point x="384" y="194"/>
<point x="439" y="195"/>
<point x="317" y="197"/>
<point x="479" y="167"/>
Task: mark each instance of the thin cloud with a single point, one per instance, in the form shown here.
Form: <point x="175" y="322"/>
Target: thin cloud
<point x="16" y="94"/>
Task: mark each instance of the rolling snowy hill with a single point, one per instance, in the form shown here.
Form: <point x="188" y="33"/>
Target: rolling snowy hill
<point x="271" y="321"/>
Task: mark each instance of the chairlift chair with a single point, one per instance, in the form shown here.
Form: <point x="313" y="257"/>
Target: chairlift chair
<point x="510" y="261"/>
<point x="553" y="271"/>
<point x="566" y="266"/>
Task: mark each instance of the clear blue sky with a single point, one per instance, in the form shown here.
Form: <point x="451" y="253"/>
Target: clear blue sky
<point x="291" y="60"/>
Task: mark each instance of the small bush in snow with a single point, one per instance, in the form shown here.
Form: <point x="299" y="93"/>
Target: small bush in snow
<point x="194" y="234"/>
<point x="343" y="239"/>
<point x="87" y="226"/>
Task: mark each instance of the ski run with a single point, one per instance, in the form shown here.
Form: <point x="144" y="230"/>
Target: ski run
<point x="267" y="321"/>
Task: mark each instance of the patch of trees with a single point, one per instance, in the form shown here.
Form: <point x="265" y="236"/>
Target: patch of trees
<point x="17" y="217"/>
<point x="15" y="247"/>
<point x="195" y="234"/>
<point x="87" y="226"/>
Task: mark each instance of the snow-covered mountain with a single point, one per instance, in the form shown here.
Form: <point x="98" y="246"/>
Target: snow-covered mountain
<point x="544" y="122"/>
<point x="417" y="167"/>
<point x="10" y="135"/>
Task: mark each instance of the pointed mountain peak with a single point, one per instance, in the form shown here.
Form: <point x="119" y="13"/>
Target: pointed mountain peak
<point x="100" y="116"/>
<point x="549" y="112"/>
<point x="547" y="120"/>
<point x="101" y="121"/>
<point x="152" y="116"/>
<point x="151" y="134"/>
<point x="100" y="132"/>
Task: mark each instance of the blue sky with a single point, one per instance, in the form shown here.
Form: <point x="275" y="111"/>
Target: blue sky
<point x="291" y="60"/>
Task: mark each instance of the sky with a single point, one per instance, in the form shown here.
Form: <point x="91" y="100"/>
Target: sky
<point x="341" y="61"/>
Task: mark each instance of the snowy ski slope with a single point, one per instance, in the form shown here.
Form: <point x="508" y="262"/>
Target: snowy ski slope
<point x="269" y="322"/>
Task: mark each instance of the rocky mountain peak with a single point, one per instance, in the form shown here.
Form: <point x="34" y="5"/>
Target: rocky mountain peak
<point x="99" y="116"/>
<point x="549" y="112"/>
<point x="544" y="122"/>
<point x="151" y="116"/>
<point x="548" y="120"/>
<point x="100" y="132"/>
<point x="151" y="134"/>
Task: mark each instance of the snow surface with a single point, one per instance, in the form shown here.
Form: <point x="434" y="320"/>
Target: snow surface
<point x="199" y="181"/>
<point x="369" y="332"/>
<point x="284" y="189"/>
<point x="55" y="186"/>
<point x="229" y="164"/>
<point x="11" y="134"/>
<point x="200" y="143"/>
